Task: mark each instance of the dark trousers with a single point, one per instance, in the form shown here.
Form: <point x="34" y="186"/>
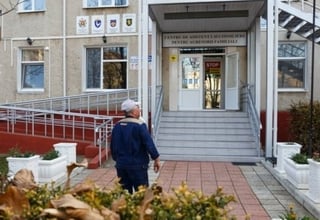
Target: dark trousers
<point x="133" y="178"/>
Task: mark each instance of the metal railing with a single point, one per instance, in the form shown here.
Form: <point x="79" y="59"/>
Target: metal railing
<point x="54" y="124"/>
<point x="81" y="117"/>
<point x="303" y="5"/>
<point x="158" y="111"/>
<point x="84" y="103"/>
<point x="57" y="124"/>
<point x="253" y="115"/>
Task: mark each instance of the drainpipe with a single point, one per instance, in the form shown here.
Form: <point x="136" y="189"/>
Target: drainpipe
<point x="270" y="75"/>
<point x="153" y="70"/>
<point x="48" y="49"/>
<point x="275" y="78"/>
<point x="139" y="51"/>
<point x="64" y="48"/>
<point x="311" y="128"/>
<point x="145" y="68"/>
<point x="1" y="37"/>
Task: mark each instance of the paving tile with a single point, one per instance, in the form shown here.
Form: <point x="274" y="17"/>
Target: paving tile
<point x="259" y="195"/>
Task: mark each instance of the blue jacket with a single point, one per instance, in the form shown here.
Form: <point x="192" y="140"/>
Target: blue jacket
<point x="131" y="144"/>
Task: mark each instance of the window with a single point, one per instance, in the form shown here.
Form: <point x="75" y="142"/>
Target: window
<point x="32" y="69"/>
<point x="32" y="5"/>
<point x="104" y="3"/>
<point x="106" y="68"/>
<point x="291" y="65"/>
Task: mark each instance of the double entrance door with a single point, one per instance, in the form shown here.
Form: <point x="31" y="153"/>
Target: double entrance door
<point x="208" y="82"/>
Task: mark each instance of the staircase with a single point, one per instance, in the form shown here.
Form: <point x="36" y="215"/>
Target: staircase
<point x="206" y="136"/>
<point x="300" y="22"/>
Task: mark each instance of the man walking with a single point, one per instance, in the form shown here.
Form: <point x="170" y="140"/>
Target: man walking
<point x="131" y="148"/>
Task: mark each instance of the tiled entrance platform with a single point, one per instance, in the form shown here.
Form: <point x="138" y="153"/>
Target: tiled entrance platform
<point x="259" y="195"/>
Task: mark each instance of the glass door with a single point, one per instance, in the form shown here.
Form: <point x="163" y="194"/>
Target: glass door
<point x="232" y="81"/>
<point x="190" y="95"/>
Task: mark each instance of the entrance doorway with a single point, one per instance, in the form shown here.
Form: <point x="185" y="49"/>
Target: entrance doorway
<point x="213" y="82"/>
<point x="208" y="82"/>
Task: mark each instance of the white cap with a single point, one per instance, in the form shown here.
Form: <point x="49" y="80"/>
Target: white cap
<point x="128" y="105"/>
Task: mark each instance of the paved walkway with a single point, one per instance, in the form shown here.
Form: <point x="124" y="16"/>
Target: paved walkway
<point x="259" y="195"/>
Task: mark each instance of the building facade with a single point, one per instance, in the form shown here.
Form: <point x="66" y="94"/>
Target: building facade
<point x="61" y="48"/>
<point x="203" y="53"/>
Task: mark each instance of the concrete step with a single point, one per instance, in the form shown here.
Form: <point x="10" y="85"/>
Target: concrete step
<point x="206" y="135"/>
<point x="205" y="131"/>
<point x="207" y="114"/>
<point x="224" y="158"/>
<point x="202" y="145"/>
<point x="221" y="125"/>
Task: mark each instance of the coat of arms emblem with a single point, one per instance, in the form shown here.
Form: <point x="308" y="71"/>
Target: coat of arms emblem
<point x="129" y="21"/>
<point x="97" y="23"/>
<point x="113" y="22"/>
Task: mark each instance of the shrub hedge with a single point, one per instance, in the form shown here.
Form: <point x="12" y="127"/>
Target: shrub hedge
<point x="300" y="129"/>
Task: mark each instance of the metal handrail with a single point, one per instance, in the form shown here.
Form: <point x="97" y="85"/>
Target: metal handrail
<point x="67" y="117"/>
<point x="58" y="124"/>
<point x="83" y="103"/>
<point x="158" y="111"/>
<point x="54" y="123"/>
<point x="253" y="116"/>
<point x="304" y="4"/>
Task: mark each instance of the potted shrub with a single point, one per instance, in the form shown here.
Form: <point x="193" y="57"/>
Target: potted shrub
<point x="68" y="149"/>
<point x="18" y="160"/>
<point x="52" y="166"/>
<point x="314" y="178"/>
<point x="285" y="150"/>
<point x="297" y="170"/>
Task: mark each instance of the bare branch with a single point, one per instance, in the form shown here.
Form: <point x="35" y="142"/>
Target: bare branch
<point x="13" y="5"/>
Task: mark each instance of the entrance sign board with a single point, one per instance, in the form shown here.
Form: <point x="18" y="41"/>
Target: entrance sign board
<point x="205" y="39"/>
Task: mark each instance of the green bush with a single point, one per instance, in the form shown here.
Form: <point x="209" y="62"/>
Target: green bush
<point x="17" y="152"/>
<point x="300" y="158"/>
<point x="300" y="125"/>
<point x="50" y="155"/>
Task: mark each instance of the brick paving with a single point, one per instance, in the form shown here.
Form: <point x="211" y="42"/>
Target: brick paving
<point x="258" y="194"/>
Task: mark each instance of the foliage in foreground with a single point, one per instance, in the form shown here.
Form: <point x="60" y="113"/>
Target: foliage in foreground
<point x="292" y="215"/>
<point x="86" y="201"/>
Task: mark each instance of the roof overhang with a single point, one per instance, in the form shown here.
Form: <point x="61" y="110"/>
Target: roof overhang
<point x="186" y="16"/>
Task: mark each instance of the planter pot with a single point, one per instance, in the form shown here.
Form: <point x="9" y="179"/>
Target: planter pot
<point x="285" y="150"/>
<point x="297" y="174"/>
<point x="52" y="170"/>
<point x="314" y="181"/>
<point x="67" y="149"/>
<point x="17" y="163"/>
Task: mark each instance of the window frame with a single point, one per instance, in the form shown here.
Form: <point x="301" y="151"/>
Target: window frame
<point x="22" y="10"/>
<point x="305" y="58"/>
<point x="102" y="62"/>
<point x="20" y="71"/>
<point x="100" y="5"/>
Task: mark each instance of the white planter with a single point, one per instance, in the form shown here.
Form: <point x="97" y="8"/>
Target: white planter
<point x="17" y="163"/>
<point x="67" y="149"/>
<point x="285" y="150"/>
<point x="314" y="181"/>
<point x="297" y="174"/>
<point x="52" y="170"/>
